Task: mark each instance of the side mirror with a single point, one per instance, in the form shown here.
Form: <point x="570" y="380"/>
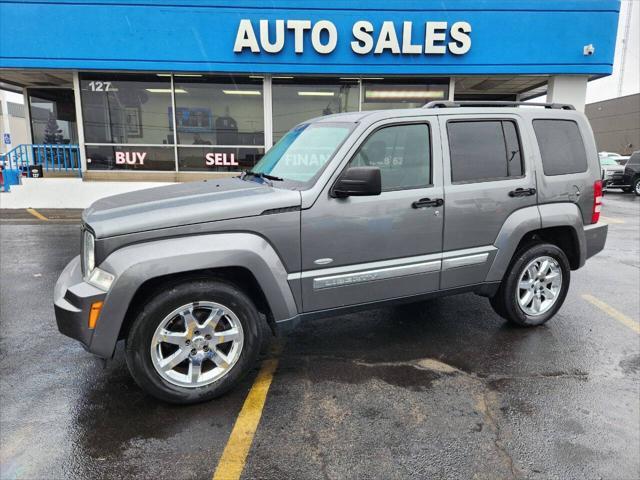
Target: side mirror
<point x="358" y="182"/>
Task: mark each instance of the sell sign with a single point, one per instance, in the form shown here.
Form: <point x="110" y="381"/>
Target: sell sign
<point x="220" y="160"/>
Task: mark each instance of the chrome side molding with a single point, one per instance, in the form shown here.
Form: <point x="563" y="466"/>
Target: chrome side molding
<point x="378" y="274"/>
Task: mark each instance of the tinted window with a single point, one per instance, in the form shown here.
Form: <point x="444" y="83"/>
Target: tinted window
<point x="514" y="155"/>
<point x="561" y="146"/>
<point x="484" y="150"/>
<point x="402" y="153"/>
<point x="634" y="159"/>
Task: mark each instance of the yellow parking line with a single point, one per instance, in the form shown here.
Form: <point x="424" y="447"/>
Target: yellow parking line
<point x="235" y="453"/>
<point x="611" y="220"/>
<point x="37" y="214"/>
<point x="612" y="312"/>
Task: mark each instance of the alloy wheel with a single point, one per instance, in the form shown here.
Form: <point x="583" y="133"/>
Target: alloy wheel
<point x="539" y="286"/>
<point x="197" y="344"/>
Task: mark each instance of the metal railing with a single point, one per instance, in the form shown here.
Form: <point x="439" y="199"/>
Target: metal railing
<point x="17" y="162"/>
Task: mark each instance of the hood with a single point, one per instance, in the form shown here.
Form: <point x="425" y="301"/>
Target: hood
<point x="613" y="168"/>
<point x="183" y="204"/>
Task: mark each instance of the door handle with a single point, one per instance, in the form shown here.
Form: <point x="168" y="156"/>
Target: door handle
<point x="427" y="202"/>
<point x="522" y="192"/>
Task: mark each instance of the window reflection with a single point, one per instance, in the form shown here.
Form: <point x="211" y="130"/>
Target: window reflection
<point x="378" y="94"/>
<point x="53" y="116"/>
<point x="297" y="99"/>
<point x="219" y="110"/>
<point x="125" y="108"/>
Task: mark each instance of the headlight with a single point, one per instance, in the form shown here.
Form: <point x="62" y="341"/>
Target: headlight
<point x="88" y="253"/>
<point x="95" y="276"/>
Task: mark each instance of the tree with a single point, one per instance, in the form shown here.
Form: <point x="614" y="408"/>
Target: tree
<point x="52" y="131"/>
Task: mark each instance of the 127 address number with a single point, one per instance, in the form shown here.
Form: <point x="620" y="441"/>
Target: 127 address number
<point x="101" y="86"/>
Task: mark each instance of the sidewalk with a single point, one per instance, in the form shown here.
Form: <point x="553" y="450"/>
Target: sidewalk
<point x="65" y="192"/>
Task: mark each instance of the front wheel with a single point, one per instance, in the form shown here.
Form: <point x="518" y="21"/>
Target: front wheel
<point x="534" y="287"/>
<point x="636" y="186"/>
<point x="193" y="341"/>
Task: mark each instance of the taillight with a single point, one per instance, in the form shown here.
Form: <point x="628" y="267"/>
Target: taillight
<point x="597" y="201"/>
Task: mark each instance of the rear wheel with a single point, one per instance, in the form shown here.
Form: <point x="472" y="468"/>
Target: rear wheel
<point x="636" y="186"/>
<point x="194" y="341"/>
<point x="534" y="287"/>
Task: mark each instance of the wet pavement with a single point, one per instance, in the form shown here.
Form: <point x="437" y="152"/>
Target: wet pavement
<point x="441" y="389"/>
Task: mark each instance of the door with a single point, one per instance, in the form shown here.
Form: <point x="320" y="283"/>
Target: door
<point x="364" y="249"/>
<point x="486" y="179"/>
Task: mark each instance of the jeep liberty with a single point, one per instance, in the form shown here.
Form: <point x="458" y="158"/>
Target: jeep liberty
<point x="346" y="212"/>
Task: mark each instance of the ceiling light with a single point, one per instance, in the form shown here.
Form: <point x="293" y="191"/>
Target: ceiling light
<point x="372" y="78"/>
<point x="165" y="90"/>
<point x="403" y="94"/>
<point x="282" y="77"/>
<point x="241" y="92"/>
<point x="179" y="75"/>
<point x="256" y="76"/>
<point x="315" y="94"/>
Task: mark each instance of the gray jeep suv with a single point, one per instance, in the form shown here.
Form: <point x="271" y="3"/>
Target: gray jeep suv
<point x="345" y="212"/>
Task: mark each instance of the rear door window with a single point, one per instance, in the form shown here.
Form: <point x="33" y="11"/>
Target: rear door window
<point x="561" y="147"/>
<point x="484" y="150"/>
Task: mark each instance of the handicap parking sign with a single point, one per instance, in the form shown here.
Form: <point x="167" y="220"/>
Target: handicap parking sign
<point x="7" y="138"/>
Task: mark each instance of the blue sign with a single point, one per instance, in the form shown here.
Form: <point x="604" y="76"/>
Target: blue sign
<point x="6" y="138"/>
<point x="330" y="36"/>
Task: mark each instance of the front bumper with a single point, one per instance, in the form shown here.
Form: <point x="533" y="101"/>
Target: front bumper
<point x="615" y="180"/>
<point x="595" y="237"/>
<point x="72" y="302"/>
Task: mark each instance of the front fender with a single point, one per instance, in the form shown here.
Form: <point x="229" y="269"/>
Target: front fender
<point x="135" y="264"/>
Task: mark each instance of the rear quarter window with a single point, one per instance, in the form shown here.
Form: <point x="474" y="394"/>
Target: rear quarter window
<point x="561" y="147"/>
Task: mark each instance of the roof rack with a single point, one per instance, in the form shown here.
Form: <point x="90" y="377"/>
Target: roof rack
<point x="483" y="103"/>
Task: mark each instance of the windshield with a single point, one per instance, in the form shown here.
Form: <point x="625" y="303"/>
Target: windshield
<point x="301" y="154"/>
<point x="608" y="161"/>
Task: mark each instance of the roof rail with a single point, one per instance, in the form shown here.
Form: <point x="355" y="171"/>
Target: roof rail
<point x="487" y="103"/>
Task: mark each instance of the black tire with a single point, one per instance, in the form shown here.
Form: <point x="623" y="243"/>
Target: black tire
<point x="505" y="303"/>
<point x="165" y="300"/>
<point x="636" y="186"/>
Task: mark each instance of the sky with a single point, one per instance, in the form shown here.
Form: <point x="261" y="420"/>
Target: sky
<point x="608" y="87"/>
<point x="603" y="88"/>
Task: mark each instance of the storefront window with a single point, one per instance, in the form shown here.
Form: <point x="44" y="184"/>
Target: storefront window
<point x="378" y="94"/>
<point x="301" y="98"/>
<point x="219" y="110"/>
<point x="125" y="157"/>
<point x="53" y="116"/>
<point x="218" y="159"/>
<point x="124" y="108"/>
<point x="217" y="123"/>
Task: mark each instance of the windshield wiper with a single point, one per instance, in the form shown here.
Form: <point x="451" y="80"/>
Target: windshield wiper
<point x="262" y="175"/>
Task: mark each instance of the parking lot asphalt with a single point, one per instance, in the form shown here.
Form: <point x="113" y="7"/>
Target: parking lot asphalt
<point x="440" y="389"/>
